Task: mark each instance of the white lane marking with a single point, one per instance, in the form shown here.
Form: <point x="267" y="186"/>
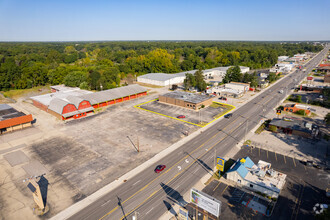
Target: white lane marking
<point x="195" y="171"/>
<point x="206" y="149"/>
<point x="211" y="156"/>
<point x="137" y="182"/>
<point x="179" y="167"/>
<point x="187" y="161"/>
<point x="106" y="203"/>
<point x="149" y="211"/>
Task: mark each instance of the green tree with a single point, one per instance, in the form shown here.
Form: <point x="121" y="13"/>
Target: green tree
<point x="74" y="79"/>
<point x="200" y="82"/>
<point x="233" y="75"/>
<point x="189" y="81"/>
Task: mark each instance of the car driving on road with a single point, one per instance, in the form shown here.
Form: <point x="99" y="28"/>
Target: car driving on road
<point x="228" y="115"/>
<point x="159" y="168"/>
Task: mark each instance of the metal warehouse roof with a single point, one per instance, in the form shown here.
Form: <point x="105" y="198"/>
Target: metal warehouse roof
<point x="5" y="107"/>
<point x="111" y="94"/>
<point x="47" y="98"/>
<point x="8" y="112"/>
<point x="57" y="105"/>
<point x="187" y="97"/>
<point x="74" y="100"/>
<point x="161" y="76"/>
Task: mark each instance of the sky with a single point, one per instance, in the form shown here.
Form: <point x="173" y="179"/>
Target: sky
<point x="100" y="20"/>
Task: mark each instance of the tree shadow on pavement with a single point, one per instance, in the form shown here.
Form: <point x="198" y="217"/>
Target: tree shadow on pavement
<point x="173" y="194"/>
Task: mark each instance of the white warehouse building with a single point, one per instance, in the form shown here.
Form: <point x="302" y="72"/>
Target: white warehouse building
<point x="165" y="79"/>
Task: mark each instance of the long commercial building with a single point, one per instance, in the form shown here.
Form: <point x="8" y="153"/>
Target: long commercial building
<point x="11" y="119"/>
<point x="165" y="79"/>
<point x="72" y="103"/>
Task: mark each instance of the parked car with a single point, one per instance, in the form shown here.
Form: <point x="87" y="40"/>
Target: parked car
<point x="223" y="98"/>
<point x="228" y="115"/>
<point x="159" y="168"/>
<point x="181" y="116"/>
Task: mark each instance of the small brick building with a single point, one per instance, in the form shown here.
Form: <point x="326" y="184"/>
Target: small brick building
<point x="186" y="99"/>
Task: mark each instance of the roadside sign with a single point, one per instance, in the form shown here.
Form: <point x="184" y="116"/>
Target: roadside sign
<point x="183" y="214"/>
<point x="278" y="111"/>
<point x="310" y="78"/>
<point x="221" y="163"/>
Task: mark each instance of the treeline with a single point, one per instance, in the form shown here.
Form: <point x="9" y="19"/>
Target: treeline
<point x="104" y="65"/>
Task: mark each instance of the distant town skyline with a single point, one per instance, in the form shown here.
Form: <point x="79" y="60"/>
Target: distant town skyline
<point x="254" y="20"/>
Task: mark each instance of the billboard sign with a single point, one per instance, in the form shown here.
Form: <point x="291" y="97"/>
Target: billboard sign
<point x="205" y="202"/>
<point x="221" y="163"/>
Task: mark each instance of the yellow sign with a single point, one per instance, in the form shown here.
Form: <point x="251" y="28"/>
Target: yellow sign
<point x="221" y="163"/>
<point x="242" y="161"/>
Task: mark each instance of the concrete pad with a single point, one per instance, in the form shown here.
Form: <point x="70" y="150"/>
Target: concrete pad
<point x="35" y="168"/>
<point x="24" y="133"/>
<point x="256" y="206"/>
<point x="16" y="158"/>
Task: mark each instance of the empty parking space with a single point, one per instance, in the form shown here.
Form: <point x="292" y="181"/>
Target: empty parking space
<point x="198" y="118"/>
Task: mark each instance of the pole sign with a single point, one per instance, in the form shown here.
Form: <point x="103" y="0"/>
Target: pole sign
<point x="221" y="163"/>
<point x="309" y="78"/>
<point x="205" y="202"/>
<point x="278" y="111"/>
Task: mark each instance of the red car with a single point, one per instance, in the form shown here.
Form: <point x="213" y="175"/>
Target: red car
<point x="159" y="168"/>
<point x="181" y="116"/>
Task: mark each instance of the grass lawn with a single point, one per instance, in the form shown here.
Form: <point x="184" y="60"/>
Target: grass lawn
<point x="17" y="93"/>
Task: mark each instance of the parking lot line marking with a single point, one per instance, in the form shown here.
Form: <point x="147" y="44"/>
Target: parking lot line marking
<point x="225" y="112"/>
<point x="216" y="186"/>
<point x="275" y="156"/>
<point x="267" y="153"/>
<point x="284" y="159"/>
<point x="294" y="162"/>
<point x="224" y="190"/>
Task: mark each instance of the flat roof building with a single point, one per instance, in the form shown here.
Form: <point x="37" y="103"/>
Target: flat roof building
<point x="165" y="79"/>
<point x="186" y="99"/>
<point x="258" y="178"/>
<point x="11" y="119"/>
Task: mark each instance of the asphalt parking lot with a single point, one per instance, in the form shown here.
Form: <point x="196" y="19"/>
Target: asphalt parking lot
<point x="305" y="186"/>
<point x="200" y="117"/>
